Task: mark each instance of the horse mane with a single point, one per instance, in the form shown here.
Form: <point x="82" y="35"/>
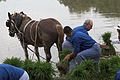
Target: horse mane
<point x="24" y="15"/>
<point x="21" y="14"/>
<point x="19" y="17"/>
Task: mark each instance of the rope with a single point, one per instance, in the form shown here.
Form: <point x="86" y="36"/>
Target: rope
<point x="23" y="38"/>
<point x="31" y="31"/>
<point x="40" y="56"/>
<point x="16" y="27"/>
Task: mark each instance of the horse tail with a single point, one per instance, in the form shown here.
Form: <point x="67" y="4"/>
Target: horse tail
<point x="60" y="36"/>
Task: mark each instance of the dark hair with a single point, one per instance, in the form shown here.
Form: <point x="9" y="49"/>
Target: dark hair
<point x="67" y="29"/>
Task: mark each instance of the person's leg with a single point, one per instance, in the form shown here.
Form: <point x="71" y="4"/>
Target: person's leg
<point x="25" y="76"/>
<point x="72" y="64"/>
<point x="92" y="53"/>
<point x="67" y="45"/>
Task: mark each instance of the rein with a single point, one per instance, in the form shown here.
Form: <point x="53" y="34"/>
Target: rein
<point x="16" y="27"/>
<point x="40" y="56"/>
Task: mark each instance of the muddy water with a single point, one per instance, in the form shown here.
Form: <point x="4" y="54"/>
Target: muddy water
<point x="65" y="12"/>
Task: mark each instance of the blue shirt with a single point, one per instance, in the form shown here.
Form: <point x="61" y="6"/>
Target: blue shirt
<point x="81" y="29"/>
<point x="9" y="72"/>
<point x="117" y="77"/>
<point x="81" y="41"/>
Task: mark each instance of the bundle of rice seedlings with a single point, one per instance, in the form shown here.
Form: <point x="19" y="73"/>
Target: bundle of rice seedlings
<point x="106" y="38"/>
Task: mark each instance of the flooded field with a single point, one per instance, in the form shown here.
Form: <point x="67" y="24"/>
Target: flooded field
<point x="68" y="12"/>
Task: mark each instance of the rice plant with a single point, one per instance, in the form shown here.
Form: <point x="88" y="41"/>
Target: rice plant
<point x="106" y="39"/>
<point x="14" y="61"/>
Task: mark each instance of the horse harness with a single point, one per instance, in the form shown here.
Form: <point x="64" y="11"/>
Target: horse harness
<point x="22" y="34"/>
<point x="36" y="29"/>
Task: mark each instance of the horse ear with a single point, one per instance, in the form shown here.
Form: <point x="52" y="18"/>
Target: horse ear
<point x="9" y="15"/>
<point x="22" y="12"/>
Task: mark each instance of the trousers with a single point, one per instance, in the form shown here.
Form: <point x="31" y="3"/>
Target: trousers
<point x="91" y="53"/>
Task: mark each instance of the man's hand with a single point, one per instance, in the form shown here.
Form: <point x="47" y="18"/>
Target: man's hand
<point x="69" y="57"/>
<point x="104" y="46"/>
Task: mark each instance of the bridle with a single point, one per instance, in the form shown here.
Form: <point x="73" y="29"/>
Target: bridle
<point x="22" y="34"/>
<point x="16" y="28"/>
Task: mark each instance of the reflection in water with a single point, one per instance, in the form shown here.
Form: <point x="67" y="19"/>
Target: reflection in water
<point x="104" y="13"/>
<point x="108" y="8"/>
<point x="2" y="0"/>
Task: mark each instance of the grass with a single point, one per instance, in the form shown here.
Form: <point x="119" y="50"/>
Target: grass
<point x="87" y="70"/>
<point x="36" y="70"/>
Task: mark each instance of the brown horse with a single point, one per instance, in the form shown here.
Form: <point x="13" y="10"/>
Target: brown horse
<point x="43" y="33"/>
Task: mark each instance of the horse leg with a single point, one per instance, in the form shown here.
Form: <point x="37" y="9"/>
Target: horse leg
<point x="60" y="38"/>
<point x="47" y="52"/>
<point x="37" y="53"/>
<point x="24" y="46"/>
<point x="26" y="52"/>
<point x="59" y="47"/>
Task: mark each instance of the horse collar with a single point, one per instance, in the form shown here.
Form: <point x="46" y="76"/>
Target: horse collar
<point x="27" y="25"/>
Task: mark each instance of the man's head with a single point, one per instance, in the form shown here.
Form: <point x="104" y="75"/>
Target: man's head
<point x="88" y="24"/>
<point x="67" y="31"/>
<point x="118" y="34"/>
<point x="118" y="30"/>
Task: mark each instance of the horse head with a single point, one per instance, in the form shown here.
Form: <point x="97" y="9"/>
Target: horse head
<point x="14" y="22"/>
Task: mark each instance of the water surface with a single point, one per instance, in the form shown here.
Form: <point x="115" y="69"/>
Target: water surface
<point x="105" y="15"/>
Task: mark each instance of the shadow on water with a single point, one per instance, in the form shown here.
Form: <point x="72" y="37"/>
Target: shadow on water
<point x="108" y="8"/>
